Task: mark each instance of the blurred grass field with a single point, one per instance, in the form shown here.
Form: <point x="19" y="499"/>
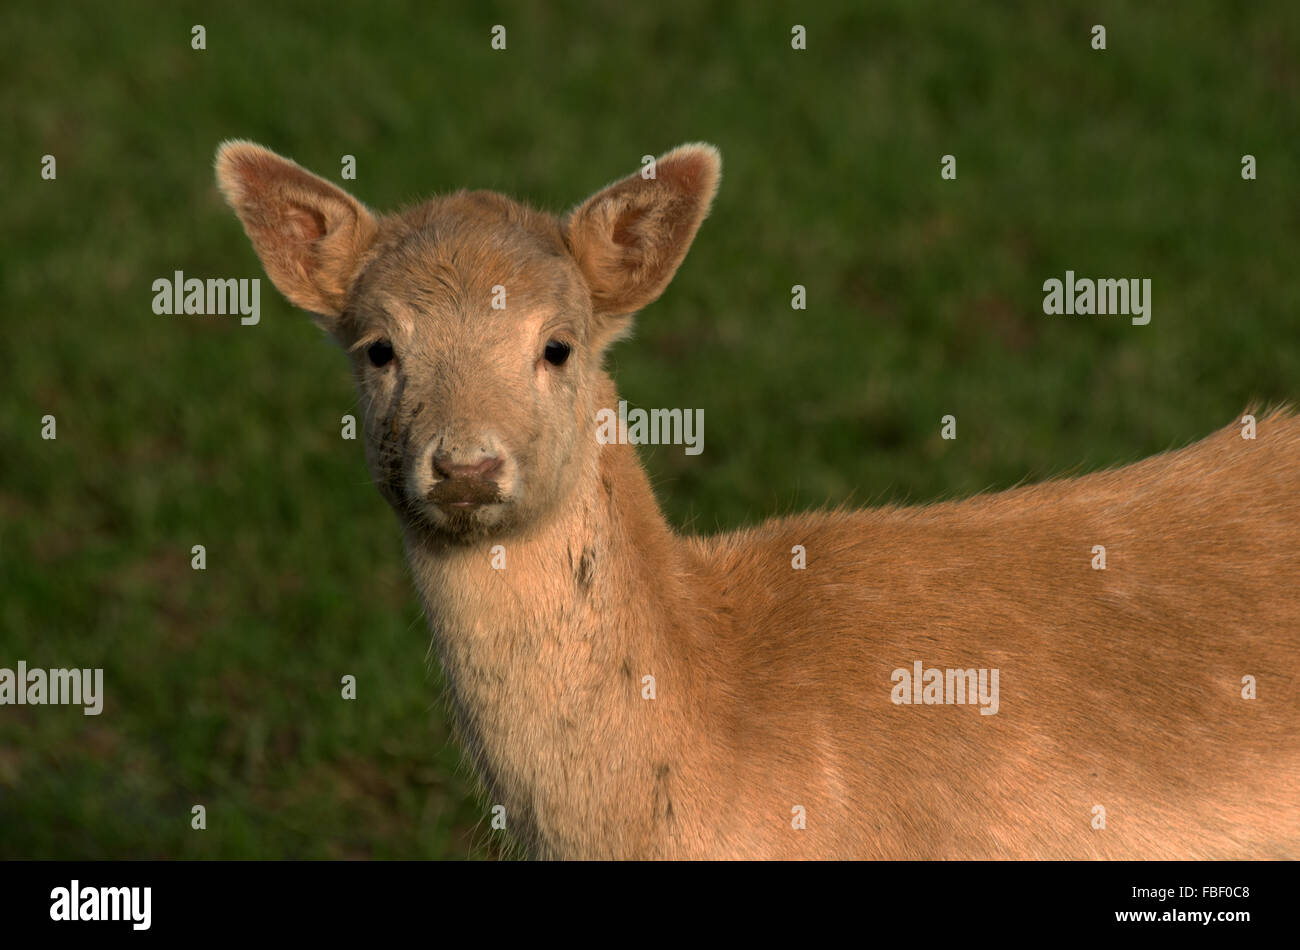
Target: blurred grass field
<point x="924" y="298"/>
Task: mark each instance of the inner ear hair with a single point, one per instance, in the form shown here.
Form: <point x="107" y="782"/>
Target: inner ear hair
<point x="310" y="235"/>
<point x="629" y="238"/>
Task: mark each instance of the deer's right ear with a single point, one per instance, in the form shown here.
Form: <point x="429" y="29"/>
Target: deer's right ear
<point x="309" y="234"/>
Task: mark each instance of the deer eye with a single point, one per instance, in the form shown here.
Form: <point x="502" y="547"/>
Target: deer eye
<point x="556" y="352"/>
<point x="380" y="353"/>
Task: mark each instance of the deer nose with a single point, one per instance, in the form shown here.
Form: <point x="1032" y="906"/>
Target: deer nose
<point x="484" y="468"/>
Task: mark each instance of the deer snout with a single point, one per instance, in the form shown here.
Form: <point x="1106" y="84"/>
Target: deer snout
<point x="463" y="475"/>
<point x="445" y="465"/>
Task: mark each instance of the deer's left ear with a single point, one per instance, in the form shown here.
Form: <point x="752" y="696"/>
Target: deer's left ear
<point x="309" y="234"/>
<point x="630" y="238"/>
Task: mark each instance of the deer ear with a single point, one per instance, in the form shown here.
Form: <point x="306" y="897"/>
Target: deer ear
<point x="309" y="234"/>
<point x="630" y="238"/>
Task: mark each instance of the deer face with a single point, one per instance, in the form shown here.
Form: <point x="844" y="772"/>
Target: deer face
<point x="476" y="326"/>
<point x="471" y="340"/>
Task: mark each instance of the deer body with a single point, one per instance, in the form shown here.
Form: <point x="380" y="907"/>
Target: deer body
<point x="630" y="693"/>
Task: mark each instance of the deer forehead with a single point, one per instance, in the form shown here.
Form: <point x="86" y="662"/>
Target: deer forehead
<point x="452" y="274"/>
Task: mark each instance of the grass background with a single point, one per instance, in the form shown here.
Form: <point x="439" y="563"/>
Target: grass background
<point x="924" y="298"/>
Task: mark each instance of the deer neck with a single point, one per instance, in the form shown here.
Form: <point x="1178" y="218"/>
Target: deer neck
<point x="546" y="643"/>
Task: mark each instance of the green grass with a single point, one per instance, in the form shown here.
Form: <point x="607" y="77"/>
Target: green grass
<point x="924" y="299"/>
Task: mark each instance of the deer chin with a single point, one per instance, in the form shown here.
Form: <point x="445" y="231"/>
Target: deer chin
<point x="462" y="510"/>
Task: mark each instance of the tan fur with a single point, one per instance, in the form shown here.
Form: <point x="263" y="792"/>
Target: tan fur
<point x="1119" y="688"/>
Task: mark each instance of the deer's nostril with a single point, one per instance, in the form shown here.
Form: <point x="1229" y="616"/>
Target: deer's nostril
<point x="485" y="468"/>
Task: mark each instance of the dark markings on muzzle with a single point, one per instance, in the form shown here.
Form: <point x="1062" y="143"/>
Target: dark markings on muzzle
<point x="392" y="449"/>
<point x="473" y="491"/>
